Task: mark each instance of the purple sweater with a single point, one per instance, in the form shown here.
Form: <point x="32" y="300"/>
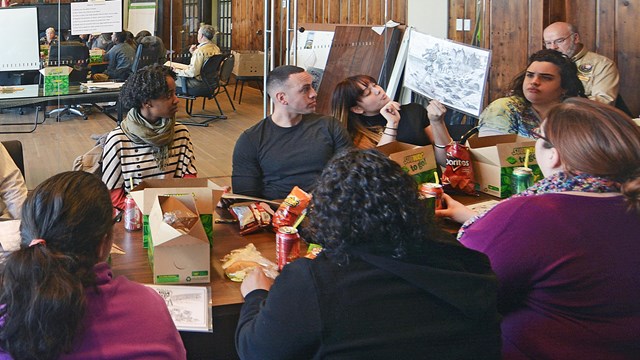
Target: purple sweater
<point x="125" y="320"/>
<point x="568" y="268"/>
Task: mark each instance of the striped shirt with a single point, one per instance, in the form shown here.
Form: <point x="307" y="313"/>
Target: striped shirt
<point x="123" y="159"/>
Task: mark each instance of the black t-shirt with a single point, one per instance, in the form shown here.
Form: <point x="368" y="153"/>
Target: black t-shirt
<point x="413" y="121"/>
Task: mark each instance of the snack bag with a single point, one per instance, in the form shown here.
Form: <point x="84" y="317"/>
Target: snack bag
<point x="291" y="208"/>
<point x="251" y="216"/>
<point x="458" y="174"/>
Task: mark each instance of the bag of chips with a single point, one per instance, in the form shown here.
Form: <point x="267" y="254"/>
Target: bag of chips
<point x="291" y="208"/>
<point x="458" y="174"/>
<point x="251" y="216"/>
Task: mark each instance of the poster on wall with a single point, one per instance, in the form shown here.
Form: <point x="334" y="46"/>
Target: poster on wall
<point x="313" y="53"/>
<point x="451" y="72"/>
<point x="142" y="16"/>
<point x="95" y="17"/>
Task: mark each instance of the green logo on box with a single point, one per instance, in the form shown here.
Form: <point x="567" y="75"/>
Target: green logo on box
<point x="163" y="279"/>
<point x="199" y="273"/>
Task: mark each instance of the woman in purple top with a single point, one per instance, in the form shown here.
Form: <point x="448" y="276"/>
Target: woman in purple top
<point x="59" y="298"/>
<point x="567" y="250"/>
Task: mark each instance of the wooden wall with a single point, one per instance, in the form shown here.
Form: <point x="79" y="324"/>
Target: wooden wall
<point x="513" y="31"/>
<point x="248" y="17"/>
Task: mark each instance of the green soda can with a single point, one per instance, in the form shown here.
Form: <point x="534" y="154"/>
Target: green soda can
<point x="521" y="179"/>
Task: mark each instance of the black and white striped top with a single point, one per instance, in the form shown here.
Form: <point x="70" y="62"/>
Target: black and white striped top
<point x="122" y="160"/>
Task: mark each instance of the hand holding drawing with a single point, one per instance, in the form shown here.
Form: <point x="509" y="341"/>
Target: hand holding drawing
<point x="436" y="111"/>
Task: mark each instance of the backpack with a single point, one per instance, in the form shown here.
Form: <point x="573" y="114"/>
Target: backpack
<point x="90" y="162"/>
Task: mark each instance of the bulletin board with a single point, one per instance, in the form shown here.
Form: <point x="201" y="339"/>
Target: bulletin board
<point x="21" y="49"/>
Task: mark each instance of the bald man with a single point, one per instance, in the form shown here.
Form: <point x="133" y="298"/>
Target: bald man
<point x="598" y="73"/>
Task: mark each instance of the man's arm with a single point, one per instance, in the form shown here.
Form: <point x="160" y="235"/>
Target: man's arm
<point x="13" y="190"/>
<point x="197" y="59"/>
<point x="246" y="177"/>
<point x="341" y="138"/>
<point x="605" y="84"/>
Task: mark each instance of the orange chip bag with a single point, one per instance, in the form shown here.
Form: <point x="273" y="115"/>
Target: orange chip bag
<point x="291" y="208"/>
<point x="458" y="175"/>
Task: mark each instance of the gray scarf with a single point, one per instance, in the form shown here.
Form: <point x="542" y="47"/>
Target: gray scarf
<point x="158" y="136"/>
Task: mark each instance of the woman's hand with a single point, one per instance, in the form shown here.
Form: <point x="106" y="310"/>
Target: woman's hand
<point x="455" y="210"/>
<point x="255" y="280"/>
<point x="436" y="111"/>
<point x="391" y="112"/>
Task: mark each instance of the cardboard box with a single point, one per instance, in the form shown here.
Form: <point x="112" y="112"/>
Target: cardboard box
<point x="96" y="56"/>
<point x="417" y="161"/>
<point x="248" y="63"/>
<point x="56" y="80"/>
<point x="178" y="256"/>
<point x="206" y="194"/>
<point x="495" y="157"/>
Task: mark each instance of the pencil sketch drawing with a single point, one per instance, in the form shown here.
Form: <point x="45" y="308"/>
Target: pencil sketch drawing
<point x="453" y="73"/>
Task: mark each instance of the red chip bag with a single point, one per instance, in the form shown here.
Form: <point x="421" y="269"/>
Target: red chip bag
<point x="291" y="208"/>
<point x="458" y="175"/>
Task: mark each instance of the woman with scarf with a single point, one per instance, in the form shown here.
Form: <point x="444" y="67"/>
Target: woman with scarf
<point x="148" y="144"/>
<point x="566" y="250"/>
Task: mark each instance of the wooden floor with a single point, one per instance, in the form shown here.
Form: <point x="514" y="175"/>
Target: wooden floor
<point x="53" y="146"/>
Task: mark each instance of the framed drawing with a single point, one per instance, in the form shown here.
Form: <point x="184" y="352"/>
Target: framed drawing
<point x="453" y="73"/>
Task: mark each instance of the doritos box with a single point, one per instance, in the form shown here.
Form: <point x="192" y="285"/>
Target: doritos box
<point x="179" y="249"/>
<point x="206" y="194"/>
<point x="417" y="161"/>
<point x="495" y="157"/>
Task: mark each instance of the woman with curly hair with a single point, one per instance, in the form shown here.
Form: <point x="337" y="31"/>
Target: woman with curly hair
<point x="387" y="285"/>
<point x="566" y="250"/>
<point x="550" y="77"/>
<point x="59" y="297"/>
<point x="148" y="143"/>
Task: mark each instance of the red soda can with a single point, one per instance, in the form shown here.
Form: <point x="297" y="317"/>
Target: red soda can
<point x="435" y="191"/>
<point x="132" y="215"/>
<point x="287" y="245"/>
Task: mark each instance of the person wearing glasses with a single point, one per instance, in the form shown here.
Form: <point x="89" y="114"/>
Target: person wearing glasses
<point x="599" y="74"/>
<point x="566" y="250"/>
<point x="60" y="299"/>
<point x="550" y="77"/>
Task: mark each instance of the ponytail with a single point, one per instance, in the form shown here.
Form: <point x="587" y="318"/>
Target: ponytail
<point x="43" y="303"/>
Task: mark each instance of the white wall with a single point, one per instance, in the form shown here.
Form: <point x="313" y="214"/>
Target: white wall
<point x="428" y="16"/>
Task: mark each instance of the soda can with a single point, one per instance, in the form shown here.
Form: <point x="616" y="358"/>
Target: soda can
<point x="287" y="245"/>
<point x="521" y="179"/>
<point x="132" y="215"/>
<point x="433" y="191"/>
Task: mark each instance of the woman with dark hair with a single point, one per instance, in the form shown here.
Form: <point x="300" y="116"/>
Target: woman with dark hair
<point x="550" y="77"/>
<point x="141" y="35"/>
<point x="59" y="298"/>
<point x="148" y="143"/>
<point x="566" y="250"/>
<point x="373" y="119"/>
<point x="387" y="285"/>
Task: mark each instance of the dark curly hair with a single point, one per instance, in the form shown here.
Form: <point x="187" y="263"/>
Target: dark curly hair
<point x="42" y="286"/>
<point x="364" y="199"/>
<point x="569" y="80"/>
<point x="146" y="84"/>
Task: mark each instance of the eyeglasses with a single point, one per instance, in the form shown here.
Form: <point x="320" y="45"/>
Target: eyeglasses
<point x="557" y="41"/>
<point x="119" y="212"/>
<point x="535" y="133"/>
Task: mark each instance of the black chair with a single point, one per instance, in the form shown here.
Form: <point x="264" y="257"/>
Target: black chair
<point x="75" y="55"/>
<point x="210" y="74"/>
<point x="620" y="104"/>
<point x="14" y="148"/>
<point x="147" y="54"/>
<point x="225" y="75"/>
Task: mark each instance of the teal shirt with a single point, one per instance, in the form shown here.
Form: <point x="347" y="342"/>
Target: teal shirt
<point x="509" y="115"/>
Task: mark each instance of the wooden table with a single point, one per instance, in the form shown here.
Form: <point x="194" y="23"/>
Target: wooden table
<point x="225" y="294"/>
